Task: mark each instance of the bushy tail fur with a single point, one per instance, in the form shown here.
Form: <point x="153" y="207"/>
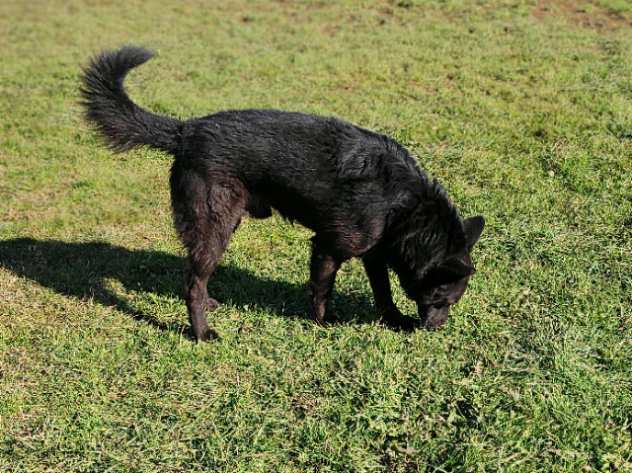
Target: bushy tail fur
<point x="124" y="124"/>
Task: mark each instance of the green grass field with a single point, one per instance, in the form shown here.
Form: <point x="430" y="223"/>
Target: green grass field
<point x="523" y="109"/>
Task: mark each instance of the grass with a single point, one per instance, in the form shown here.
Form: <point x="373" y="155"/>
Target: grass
<point x="523" y="109"/>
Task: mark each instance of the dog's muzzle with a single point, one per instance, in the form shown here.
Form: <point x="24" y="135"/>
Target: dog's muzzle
<point x="433" y="317"/>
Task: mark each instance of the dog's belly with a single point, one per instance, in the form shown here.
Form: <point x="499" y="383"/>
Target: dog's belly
<point x="348" y="230"/>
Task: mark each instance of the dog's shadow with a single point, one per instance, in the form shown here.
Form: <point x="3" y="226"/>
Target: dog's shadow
<point x="85" y="270"/>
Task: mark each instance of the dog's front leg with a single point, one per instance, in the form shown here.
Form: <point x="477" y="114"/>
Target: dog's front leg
<point x="323" y="269"/>
<point x="377" y="271"/>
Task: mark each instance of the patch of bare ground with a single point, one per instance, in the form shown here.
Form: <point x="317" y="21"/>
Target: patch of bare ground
<point x="584" y="13"/>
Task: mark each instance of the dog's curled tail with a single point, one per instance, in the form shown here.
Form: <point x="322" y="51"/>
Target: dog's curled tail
<point x="124" y="124"/>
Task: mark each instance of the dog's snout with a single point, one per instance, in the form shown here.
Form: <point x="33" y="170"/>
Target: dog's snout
<point x="433" y="316"/>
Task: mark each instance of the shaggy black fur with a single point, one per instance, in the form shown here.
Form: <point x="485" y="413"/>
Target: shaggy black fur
<point x="360" y="192"/>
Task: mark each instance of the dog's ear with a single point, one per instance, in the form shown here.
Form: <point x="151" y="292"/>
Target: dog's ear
<point x="453" y="269"/>
<point x="473" y="227"/>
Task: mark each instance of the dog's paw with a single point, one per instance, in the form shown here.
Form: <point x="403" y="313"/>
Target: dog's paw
<point x="207" y="336"/>
<point x="330" y="317"/>
<point x="210" y="304"/>
<point x="394" y="319"/>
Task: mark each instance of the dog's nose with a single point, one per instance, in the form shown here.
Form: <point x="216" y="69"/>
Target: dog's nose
<point x="433" y="317"/>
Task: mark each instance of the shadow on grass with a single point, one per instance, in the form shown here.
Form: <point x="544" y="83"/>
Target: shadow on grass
<point x="81" y="270"/>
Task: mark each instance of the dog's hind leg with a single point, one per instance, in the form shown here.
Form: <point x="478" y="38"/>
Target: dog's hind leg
<point x="205" y="217"/>
<point x="323" y="269"/>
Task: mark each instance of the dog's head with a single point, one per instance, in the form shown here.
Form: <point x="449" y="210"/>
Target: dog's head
<point x="442" y="284"/>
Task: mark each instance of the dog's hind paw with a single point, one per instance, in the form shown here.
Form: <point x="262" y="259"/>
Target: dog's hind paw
<point x="330" y="317"/>
<point x="211" y="304"/>
<point x="208" y="335"/>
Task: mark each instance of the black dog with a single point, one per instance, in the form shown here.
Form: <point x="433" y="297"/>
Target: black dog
<point x="360" y="192"/>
